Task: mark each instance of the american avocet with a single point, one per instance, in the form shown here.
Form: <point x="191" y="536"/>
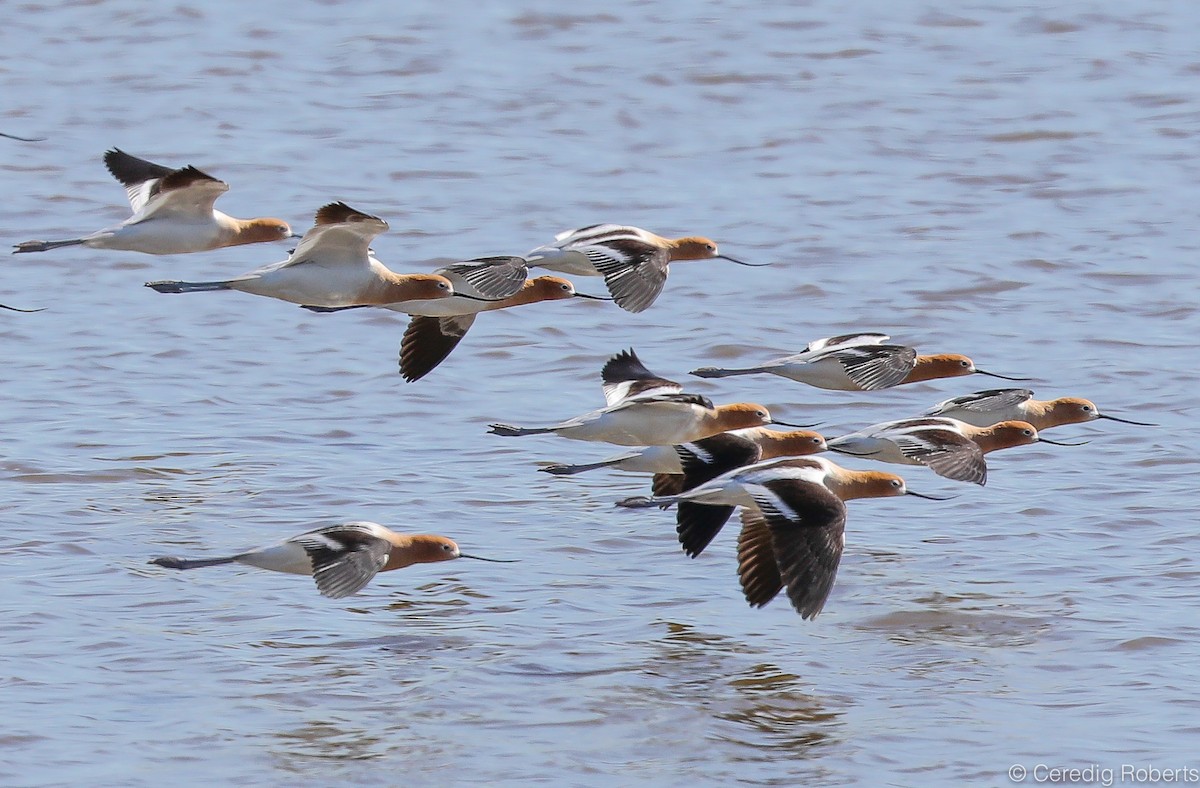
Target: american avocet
<point x="438" y="326"/>
<point x="665" y="460"/>
<point x="172" y="214"/>
<point x="951" y="448"/>
<point x="341" y="558"/>
<point x="794" y="532"/>
<point x="633" y="261"/>
<point x="331" y="267"/>
<point x="647" y="410"/>
<point x="984" y="408"/>
<point x="859" y="362"/>
<point x="658" y="420"/>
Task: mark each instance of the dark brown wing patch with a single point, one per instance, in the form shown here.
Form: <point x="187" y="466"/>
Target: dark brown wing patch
<point x="428" y="341"/>
<point x="181" y="179"/>
<point x="808" y="530"/>
<point x="758" y="571"/>
<point x="339" y="212"/>
<point x="667" y="484"/>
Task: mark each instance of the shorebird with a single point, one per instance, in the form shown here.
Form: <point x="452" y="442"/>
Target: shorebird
<point x="172" y="214"/>
<point x="647" y="410"/>
<point x="438" y="326"/>
<point x="634" y="262"/>
<point x="984" y="408"/>
<point x="951" y="448"/>
<point x="794" y="517"/>
<point x="342" y="559"/>
<point x="859" y="362"/>
<point x="331" y="267"/>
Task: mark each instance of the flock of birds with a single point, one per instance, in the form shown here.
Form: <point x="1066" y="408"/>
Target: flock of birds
<point x="707" y="460"/>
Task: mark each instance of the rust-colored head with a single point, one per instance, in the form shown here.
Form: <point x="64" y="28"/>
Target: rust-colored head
<point x="262" y="230"/>
<point x="849" y="485"/>
<point x="694" y="247"/>
<point x="1005" y="435"/>
<point x="420" y="287"/>
<point x="792" y="443"/>
<point x="741" y="415"/>
<point x="1064" y="410"/>
<point x="947" y="365"/>
<point x="429" y="549"/>
<point x="549" y="288"/>
<point x="940" y="365"/>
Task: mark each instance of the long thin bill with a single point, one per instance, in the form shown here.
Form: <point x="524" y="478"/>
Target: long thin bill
<point x="489" y="560"/>
<point x="979" y="371"/>
<point x="592" y="297"/>
<point x="1098" y="415"/>
<point x="1060" y="443"/>
<point x="800" y="426"/>
<point x="931" y="497"/>
<point x="742" y="262"/>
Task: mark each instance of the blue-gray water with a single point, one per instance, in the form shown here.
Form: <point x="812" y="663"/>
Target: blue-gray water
<point x="1008" y="181"/>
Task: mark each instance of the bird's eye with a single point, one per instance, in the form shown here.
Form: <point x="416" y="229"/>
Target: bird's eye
<point x="1087" y="408"/>
<point x="964" y="364"/>
<point x="760" y="414"/>
<point x="896" y="483"/>
<point x="711" y="247"/>
<point x="1026" y="432"/>
<point x="441" y="285"/>
<point x="446" y="547"/>
<point x="566" y="288"/>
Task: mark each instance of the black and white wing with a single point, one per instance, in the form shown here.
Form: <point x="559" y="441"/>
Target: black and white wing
<point x="624" y="376"/>
<point x="344" y="557"/>
<point x="985" y="401"/>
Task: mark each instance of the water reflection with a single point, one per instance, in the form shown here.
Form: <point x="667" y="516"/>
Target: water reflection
<point x="769" y="711"/>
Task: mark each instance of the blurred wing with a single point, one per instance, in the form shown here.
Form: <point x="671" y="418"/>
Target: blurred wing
<point x="874" y="367"/>
<point x="487" y="277"/>
<point x="845" y="340"/>
<point x="983" y="401"/>
<point x="949" y="454"/>
<point x="808" y="533"/>
<point x="634" y="270"/>
<point x="344" y="558"/>
<point x="758" y="571"/>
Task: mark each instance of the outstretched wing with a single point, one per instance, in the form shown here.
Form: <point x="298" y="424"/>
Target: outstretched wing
<point x="946" y="452"/>
<point x="487" y="277"/>
<point x="808" y="533"/>
<point x="344" y="558"/>
<point x="624" y="376"/>
<point x="428" y="341"/>
<point x="874" y="367"/>
<point x="984" y="401"/>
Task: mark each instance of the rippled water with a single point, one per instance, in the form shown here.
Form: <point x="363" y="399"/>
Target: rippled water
<point x="1010" y="182"/>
